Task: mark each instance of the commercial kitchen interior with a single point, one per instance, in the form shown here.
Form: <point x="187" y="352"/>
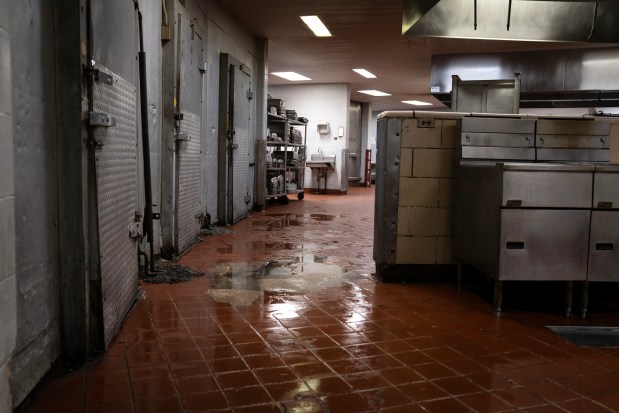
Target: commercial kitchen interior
<point x="283" y="311"/>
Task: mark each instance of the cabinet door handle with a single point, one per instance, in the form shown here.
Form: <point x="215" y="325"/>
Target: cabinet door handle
<point x="604" y="246"/>
<point x="515" y="245"/>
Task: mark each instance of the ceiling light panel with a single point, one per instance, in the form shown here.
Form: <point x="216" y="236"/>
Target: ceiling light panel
<point x="417" y="103"/>
<point x="365" y="73"/>
<point x="374" y="93"/>
<point x="293" y="76"/>
<point x="316" y="25"/>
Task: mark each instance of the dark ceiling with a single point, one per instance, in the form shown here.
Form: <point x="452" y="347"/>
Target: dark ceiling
<point x="366" y="34"/>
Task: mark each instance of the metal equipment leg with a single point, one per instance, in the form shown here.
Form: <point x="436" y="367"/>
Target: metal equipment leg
<point x="584" y="299"/>
<point x="498" y="297"/>
<point x="569" y="297"/>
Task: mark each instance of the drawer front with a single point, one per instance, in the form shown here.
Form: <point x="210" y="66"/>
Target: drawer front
<point x="547" y="189"/>
<point x="544" y="245"/>
<point x="486" y="152"/>
<point x="572" y="127"/>
<point x="510" y="140"/>
<point x="573" y="155"/>
<point x="604" y="246"/>
<point x="498" y="125"/>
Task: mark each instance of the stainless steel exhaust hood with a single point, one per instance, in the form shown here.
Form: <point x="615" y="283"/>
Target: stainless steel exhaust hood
<point x="549" y="79"/>
<point x="529" y="20"/>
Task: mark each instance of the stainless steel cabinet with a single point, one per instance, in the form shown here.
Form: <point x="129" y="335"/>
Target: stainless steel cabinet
<point x="543" y="245"/>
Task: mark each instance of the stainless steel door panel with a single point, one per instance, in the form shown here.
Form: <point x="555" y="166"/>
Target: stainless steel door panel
<point x="573" y="141"/>
<point x="572" y="127"/>
<point x="117" y="192"/>
<point x="188" y="207"/>
<point x="547" y="189"/>
<point x="574" y="155"/>
<point x="485" y="152"/>
<point x="604" y="246"/>
<point x="113" y="47"/>
<point x="606" y="190"/>
<point x="520" y="140"/>
<point x="188" y="182"/>
<point x="240" y="155"/>
<point x="548" y="245"/>
<point x="507" y="125"/>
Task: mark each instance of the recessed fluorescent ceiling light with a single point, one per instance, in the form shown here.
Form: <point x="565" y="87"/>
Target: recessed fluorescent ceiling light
<point x="291" y="76"/>
<point x="375" y="93"/>
<point x="316" y="25"/>
<point x="365" y="73"/>
<point x="417" y="103"/>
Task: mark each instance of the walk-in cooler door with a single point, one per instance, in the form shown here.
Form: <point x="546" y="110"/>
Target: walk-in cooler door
<point x="113" y="126"/>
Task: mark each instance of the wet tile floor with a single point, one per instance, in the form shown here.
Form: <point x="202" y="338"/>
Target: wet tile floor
<point x="289" y="319"/>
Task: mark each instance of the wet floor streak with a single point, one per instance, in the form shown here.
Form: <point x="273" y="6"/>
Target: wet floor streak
<point x="242" y="283"/>
<point x="273" y="222"/>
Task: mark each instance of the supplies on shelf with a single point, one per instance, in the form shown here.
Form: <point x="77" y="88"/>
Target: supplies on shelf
<point x="296" y="136"/>
<point x="277" y="185"/>
<point x="278" y="104"/>
<point x="291" y="188"/>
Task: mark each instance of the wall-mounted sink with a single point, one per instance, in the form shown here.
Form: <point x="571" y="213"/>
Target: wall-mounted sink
<point x="318" y="160"/>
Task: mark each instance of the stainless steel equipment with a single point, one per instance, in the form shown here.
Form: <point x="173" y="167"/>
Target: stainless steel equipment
<point x="485" y="96"/>
<point x="483" y="138"/>
<point x="572" y="140"/>
<point x="534" y="221"/>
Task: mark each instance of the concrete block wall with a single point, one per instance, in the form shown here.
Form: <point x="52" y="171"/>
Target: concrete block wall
<point x="36" y="199"/>
<point x="8" y="308"/>
<point x="426" y="180"/>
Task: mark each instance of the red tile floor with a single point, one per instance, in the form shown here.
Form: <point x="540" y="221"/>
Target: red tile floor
<point x="360" y="346"/>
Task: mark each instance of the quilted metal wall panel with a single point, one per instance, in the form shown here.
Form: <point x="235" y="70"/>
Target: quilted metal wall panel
<point x="240" y="174"/>
<point x="188" y="185"/>
<point x="116" y="175"/>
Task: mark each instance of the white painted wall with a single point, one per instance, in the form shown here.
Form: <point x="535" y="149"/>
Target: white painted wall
<point x="320" y="103"/>
<point x="8" y="309"/>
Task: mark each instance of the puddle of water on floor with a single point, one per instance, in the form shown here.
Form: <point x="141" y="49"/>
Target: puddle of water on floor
<point x="241" y="283"/>
<point x="290" y="220"/>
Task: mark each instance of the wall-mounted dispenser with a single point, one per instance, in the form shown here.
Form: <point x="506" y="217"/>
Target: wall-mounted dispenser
<point x="323" y="128"/>
<point x="340" y="132"/>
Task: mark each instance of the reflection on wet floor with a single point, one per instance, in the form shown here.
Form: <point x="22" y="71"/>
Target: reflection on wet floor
<point x="241" y="283"/>
<point x="289" y="220"/>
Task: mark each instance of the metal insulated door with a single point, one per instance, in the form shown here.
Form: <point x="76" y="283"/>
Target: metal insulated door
<point x="240" y="145"/>
<point x="112" y="117"/>
<point x="188" y="207"/>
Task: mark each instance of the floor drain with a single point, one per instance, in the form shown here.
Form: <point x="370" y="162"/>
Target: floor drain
<point x="589" y="336"/>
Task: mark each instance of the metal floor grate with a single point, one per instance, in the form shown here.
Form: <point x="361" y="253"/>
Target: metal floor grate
<point x="589" y="336"/>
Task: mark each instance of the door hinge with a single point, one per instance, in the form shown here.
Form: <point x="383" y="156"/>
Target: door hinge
<point x="235" y="146"/>
<point x="135" y="230"/>
<point x="247" y="199"/>
<point x="250" y="94"/>
<point x="199" y="215"/>
<point x="230" y="133"/>
<point x="101" y="119"/>
<point x="138" y="216"/>
<point x="183" y="137"/>
<point x="202" y="67"/>
<point x="101" y="77"/>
